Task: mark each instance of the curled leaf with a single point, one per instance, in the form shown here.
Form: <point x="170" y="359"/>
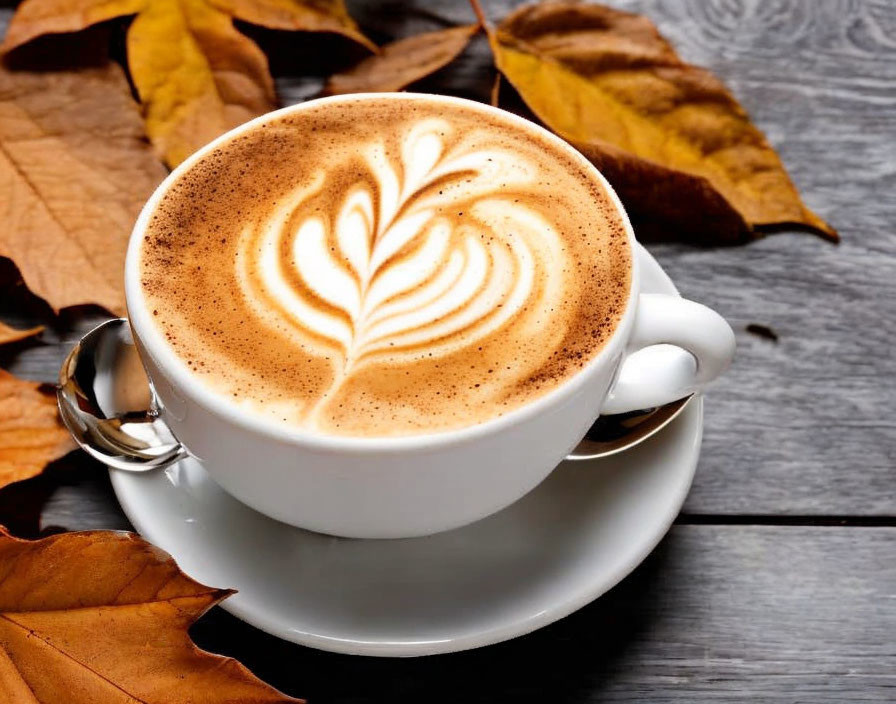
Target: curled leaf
<point x="670" y="137"/>
<point x="31" y="435"/>
<point x="102" y="616"/>
<point x="8" y="334"/>
<point x="403" y="62"/>
<point x="196" y="75"/>
<point x="75" y="169"/>
<point x="298" y="15"/>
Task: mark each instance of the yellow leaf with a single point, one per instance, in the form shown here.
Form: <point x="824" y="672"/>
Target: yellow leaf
<point x="195" y="74"/>
<point x="607" y="81"/>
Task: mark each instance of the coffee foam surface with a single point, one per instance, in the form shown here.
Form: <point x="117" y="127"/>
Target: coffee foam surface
<point x="385" y="267"/>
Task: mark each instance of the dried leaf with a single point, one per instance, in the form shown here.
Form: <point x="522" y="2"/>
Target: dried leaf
<point x="670" y="137"/>
<point x="8" y="334"/>
<point x="31" y="435"/>
<point x="302" y="15"/>
<point x="75" y="169"/>
<point x="494" y="98"/>
<point x="102" y="616"/>
<point x="403" y="62"/>
<point x="196" y="75"/>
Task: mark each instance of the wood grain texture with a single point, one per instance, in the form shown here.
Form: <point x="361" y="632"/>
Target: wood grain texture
<point x="716" y="614"/>
<point x="801" y="426"/>
<point x="804" y="425"/>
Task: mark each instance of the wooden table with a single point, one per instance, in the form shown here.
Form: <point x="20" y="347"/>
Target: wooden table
<point x="778" y="581"/>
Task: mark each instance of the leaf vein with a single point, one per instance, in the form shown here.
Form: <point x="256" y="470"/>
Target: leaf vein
<point x="59" y="650"/>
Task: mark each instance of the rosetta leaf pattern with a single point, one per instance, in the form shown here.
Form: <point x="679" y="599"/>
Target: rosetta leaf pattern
<point x="420" y="263"/>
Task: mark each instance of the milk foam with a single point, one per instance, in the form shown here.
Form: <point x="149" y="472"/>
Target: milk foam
<point x="386" y="268"/>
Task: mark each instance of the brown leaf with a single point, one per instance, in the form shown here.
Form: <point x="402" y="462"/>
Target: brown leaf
<point x="196" y="75"/>
<point x="102" y="616"/>
<point x="304" y="15"/>
<point x="75" y="169"/>
<point x="8" y="334"/>
<point x="669" y="136"/>
<point x="403" y="62"/>
<point x="31" y="435"/>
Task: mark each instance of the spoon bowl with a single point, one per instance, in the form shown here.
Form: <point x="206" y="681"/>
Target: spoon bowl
<point x="108" y="404"/>
<point x="616" y="433"/>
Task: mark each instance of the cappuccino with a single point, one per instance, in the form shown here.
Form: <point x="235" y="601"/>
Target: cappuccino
<point x="385" y="266"/>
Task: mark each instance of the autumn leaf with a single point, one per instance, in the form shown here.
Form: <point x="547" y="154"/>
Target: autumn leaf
<point x="196" y="75"/>
<point x="102" y="616"/>
<point x="403" y="62"/>
<point x="8" y="334"/>
<point x="669" y="136"/>
<point x="75" y="169"/>
<point x="31" y="435"/>
<point x="494" y="98"/>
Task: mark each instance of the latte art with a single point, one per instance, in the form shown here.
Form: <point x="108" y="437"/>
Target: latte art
<point x="385" y="266"/>
<point x="425" y="254"/>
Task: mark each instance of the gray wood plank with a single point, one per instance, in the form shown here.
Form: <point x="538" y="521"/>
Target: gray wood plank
<point x="717" y="613"/>
<point x="804" y="425"/>
<point x="801" y="426"/>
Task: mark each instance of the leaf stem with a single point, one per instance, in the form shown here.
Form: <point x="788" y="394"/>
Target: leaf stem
<point x="480" y="16"/>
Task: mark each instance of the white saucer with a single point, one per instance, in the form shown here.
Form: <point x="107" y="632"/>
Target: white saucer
<point x="566" y="543"/>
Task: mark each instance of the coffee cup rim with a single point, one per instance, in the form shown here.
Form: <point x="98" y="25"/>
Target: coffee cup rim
<point x="186" y="384"/>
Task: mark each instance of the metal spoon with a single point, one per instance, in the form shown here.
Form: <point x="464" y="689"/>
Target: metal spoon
<point x="108" y="403"/>
<point x="619" y="432"/>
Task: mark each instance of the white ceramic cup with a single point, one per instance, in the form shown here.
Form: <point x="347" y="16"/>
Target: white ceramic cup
<point x="397" y="487"/>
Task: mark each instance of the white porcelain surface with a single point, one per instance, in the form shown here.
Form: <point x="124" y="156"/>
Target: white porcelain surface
<point x="564" y="544"/>
<point x="409" y="486"/>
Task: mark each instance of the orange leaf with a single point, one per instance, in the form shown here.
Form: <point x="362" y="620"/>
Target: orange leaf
<point x="670" y="137"/>
<point x="102" y="616"/>
<point x="196" y="75"/>
<point x="75" y="169"/>
<point x="8" y="334"/>
<point x="403" y="62"/>
<point x="31" y="435"/>
<point x="305" y="15"/>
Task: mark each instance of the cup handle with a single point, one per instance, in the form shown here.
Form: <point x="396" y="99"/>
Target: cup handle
<point x="648" y="380"/>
